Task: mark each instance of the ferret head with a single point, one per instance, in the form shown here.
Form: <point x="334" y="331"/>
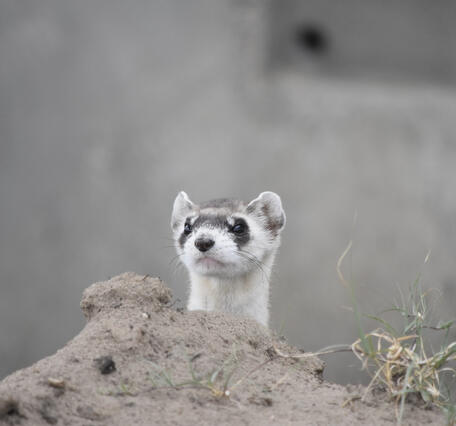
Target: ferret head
<point x="226" y="238"/>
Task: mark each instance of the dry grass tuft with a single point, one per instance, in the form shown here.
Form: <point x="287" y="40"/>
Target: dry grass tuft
<point x="218" y="381"/>
<point x="401" y="361"/>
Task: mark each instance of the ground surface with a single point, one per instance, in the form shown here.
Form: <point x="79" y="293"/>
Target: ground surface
<point x="134" y="361"/>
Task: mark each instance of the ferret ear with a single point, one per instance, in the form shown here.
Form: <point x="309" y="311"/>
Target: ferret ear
<point x="268" y="208"/>
<point x="181" y="208"/>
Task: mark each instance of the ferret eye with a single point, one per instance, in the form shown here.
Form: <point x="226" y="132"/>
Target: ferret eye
<point x="187" y="228"/>
<point x="238" y="229"/>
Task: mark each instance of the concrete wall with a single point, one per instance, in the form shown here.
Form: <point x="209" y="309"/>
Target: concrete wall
<point x="409" y="40"/>
<point x="107" y="109"/>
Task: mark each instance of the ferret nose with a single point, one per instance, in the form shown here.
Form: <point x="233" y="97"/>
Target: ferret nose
<point x="204" y="244"/>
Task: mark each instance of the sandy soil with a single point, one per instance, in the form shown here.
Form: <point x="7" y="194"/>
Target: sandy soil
<point x="140" y="361"/>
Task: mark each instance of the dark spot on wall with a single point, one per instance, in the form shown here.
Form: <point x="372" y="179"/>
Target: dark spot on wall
<point x="312" y="38"/>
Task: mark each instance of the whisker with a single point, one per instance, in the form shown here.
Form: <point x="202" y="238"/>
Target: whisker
<point x="175" y="258"/>
<point x="177" y="263"/>
<point x="254" y="260"/>
<point x="245" y="254"/>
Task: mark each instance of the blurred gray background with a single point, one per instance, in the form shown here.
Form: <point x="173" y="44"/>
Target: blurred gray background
<point x="108" y="108"/>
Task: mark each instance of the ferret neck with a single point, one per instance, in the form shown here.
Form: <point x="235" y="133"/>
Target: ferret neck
<point x="246" y="294"/>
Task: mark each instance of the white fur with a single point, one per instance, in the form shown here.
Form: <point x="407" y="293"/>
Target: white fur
<point x="224" y="278"/>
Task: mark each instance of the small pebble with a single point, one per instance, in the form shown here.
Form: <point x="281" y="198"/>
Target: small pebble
<point x="56" y="383"/>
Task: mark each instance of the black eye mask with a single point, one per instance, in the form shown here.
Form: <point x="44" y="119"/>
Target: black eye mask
<point x="240" y="231"/>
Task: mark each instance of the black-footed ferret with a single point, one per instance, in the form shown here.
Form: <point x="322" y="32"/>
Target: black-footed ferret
<point x="228" y="248"/>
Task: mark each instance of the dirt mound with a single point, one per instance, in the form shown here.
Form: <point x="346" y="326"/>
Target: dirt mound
<point x="139" y="361"/>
